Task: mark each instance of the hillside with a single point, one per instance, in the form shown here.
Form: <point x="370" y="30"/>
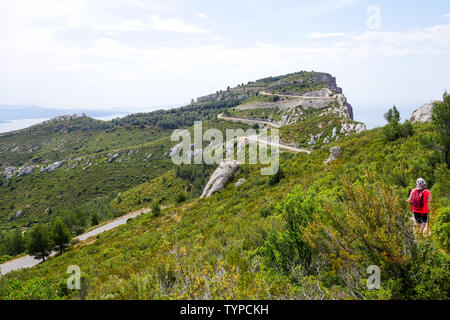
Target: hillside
<point x="231" y="245"/>
<point x="309" y="232"/>
<point x="47" y="166"/>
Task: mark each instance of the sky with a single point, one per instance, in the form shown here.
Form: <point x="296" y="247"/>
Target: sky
<point x="141" y="54"/>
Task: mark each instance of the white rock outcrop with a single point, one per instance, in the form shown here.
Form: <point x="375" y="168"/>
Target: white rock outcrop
<point x="335" y="152"/>
<point x="16" y="215"/>
<point x="315" y="138"/>
<point x="239" y="182"/>
<point x="9" y="172"/>
<point x="53" y="166"/>
<point x="24" y="171"/>
<point x="348" y="128"/>
<point x="423" y="113"/>
<point x="334" y="133"/>
<point x="360" y="127"/>
<point x="114" y="157"/>
<point x="226" y="169"/>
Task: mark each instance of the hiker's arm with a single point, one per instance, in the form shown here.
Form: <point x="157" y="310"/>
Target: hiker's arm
<point x="430" y="200"/>
<point x="409" y="199"/>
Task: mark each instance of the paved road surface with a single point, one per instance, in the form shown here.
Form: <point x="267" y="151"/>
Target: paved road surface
<point x="29" y="261"/>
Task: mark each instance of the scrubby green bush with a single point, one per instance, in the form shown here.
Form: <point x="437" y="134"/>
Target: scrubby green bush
<point x="275" y="178"/>
<point x="180" y="197"/>
<point x="394" y="129"/>
<point x="156" y="209"/>
<point x="39" y="242"/>
<point x="441" y="228"/>
<point x="441" y="122"/>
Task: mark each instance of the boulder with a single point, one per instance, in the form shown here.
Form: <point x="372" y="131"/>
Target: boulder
<point x="423" y="113"/>
<point x="175" y="150"/>
<point x="360" y="127"/>
<point x="16" y="215"/>
<point x="349" y="128"/>
<point x="315" y="138"/>
<point x="9" y="172"/>
<point x="114" y="157"/>
<point x="335" y="152"/>
<point x="226" y="169"/>
<point x="53" y="166"/>
<point x="333" y="134"/>
<point x="239" y="182"/>
<point x="25" y="171"/>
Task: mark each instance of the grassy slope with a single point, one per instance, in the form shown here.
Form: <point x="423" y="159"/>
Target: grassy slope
<point x="205" y="248"/>
<point x="67" y="188"/>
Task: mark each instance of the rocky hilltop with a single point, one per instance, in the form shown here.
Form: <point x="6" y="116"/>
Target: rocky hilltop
<point x="423" y="113"/>
<point x="302" y="89"/>
<point x="58" y="157"/>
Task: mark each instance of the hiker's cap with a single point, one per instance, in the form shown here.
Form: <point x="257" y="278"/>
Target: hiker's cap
<point x="421" y="184"/>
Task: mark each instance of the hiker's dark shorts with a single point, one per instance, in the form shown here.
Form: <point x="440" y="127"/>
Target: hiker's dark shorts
<point x="420" y="218"/>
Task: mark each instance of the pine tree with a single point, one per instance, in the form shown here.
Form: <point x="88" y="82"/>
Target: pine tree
<point x="94" y="219"/>
<point x="39" y="242"/>
<point x="61" y="235"/>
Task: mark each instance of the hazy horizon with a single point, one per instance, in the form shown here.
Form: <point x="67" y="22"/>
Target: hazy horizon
<point x="106" y="55"/>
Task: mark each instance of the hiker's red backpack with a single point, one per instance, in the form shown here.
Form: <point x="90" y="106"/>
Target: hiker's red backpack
<point x="417" y="200"/>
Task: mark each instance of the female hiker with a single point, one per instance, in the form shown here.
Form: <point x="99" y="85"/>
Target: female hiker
<point x="419" y="198"/>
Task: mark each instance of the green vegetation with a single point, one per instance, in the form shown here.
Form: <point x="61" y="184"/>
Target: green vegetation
<point x="61" y="235"/>
<point x="308" y="232"/>
<point x="261" y="98"/>
<point x="394" y="129"/>
<point x="311" y="235"/>
<point x="39" y="242"/>
<point x="270" y="114"/>
<point x="294" y="83"/>
<point x="441" y="122"/>
<point x="441" y="229"/>
<point x="300" y="133"/>
<point x="156" y="209"/>
<point x="12" y="244"/>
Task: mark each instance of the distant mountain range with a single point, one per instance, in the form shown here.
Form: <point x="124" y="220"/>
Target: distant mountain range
<point x="16" y="112"/>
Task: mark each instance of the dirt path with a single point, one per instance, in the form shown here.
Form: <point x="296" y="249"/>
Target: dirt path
<point x="290" y="96"/>
<point x="256" y="138"/>
<point x="249" y="121"/>
<point x="281" y="146"/>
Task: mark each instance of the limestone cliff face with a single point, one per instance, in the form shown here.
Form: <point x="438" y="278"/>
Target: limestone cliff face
<point x="330" y="81"/>
<point x="308" y="84"/>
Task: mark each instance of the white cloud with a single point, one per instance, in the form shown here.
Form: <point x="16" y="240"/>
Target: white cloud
<point x="202" y="15"/>
<point x="420" y="40"/>
<point x="127" y="25"/>
<point x="447" y="15"/>
<point x="175" y="25"/>
<point x="318" y="8"/>
<point x="318" y="35"/>
<point x="42" y="62"/>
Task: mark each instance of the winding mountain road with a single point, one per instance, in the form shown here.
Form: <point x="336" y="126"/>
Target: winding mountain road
<point x="249" y="121"/>
<point x="29" y="261"/>
<point x="257" y="139"/>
